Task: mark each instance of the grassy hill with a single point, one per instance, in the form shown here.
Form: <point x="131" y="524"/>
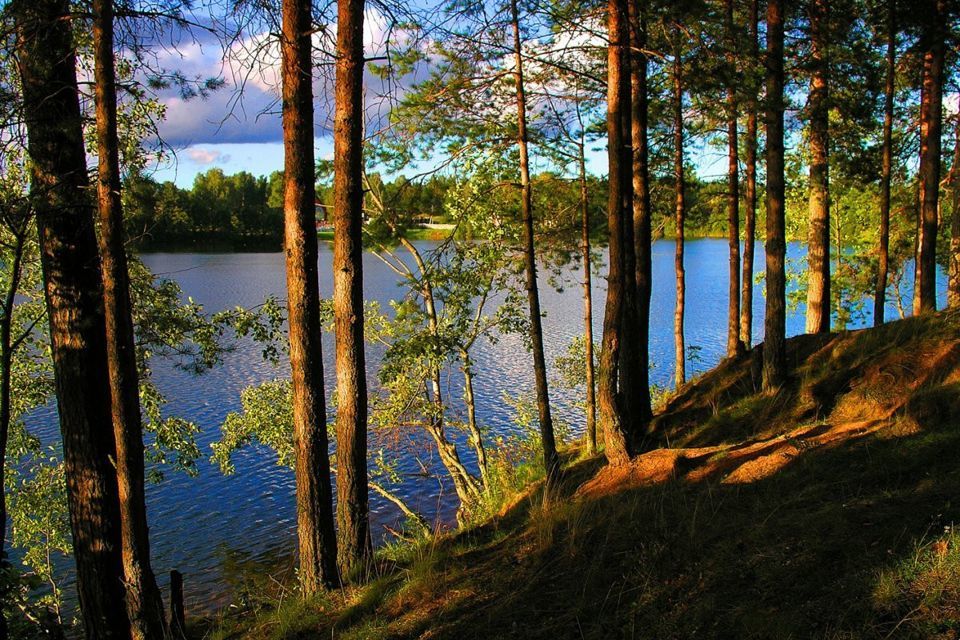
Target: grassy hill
<point x="826" y="510"/>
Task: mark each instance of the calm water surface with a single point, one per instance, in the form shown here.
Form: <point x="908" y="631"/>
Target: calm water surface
<point x="211" y="526"/>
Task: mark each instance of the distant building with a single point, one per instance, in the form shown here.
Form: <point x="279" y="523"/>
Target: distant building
<point x="324" y="214"/>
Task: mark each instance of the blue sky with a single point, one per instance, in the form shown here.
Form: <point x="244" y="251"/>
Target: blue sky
<point x="237" y="128"/>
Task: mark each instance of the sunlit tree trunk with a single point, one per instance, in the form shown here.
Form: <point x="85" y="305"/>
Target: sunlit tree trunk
<point x="818" y="238"/>
<point x="639" y="66"/>
<point x="470" y="401"/>
<point x="143" y="601"/>
<point x="353" y="515"/>
<point x="550" y="460"/>
<point x="314" y="492"/>
<point x="880" y="297"/>
<point x="680" y="212"/>
<point x="750" y="187"/>
<point x="774" y="356"/>
<point x="73" y="288"/>
<point x="953" y="286"/>
<point x="931" y="116"/>
<point x="613" y="420"/>
<point x="587" y="298"/>
<point x="630" y="378"/>
<point x="733" y="191"/>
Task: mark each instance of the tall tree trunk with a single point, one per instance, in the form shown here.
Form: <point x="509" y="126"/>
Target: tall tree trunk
<point x="550" y="460"/>
<point x="353" y="514"/>
<point x="6" y="386"/>
<point x="733" y="191"/>
<point x="775" y="322"/>
<point x="680" y="360"/>
<point x="587" y="298"/>
<point x="931" y="116"/>
<point x="639" y="163"/>
<point x="818" y="238"/>
<point x="73" y="288"/>
<point x="953" y="286"/>
<point x="880" y="297"/>
<point x="631" y="377"/>
<point x="315" y="528"/>
<point x="750" y="186"/>
<point x="838" y="233"/>
<point x="613" y="421"/>
<point x="143" y="601"/>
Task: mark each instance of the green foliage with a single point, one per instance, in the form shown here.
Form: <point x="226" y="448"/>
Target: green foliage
<point x="266" y="418"/>
<point x="165" y="328"/>
<point x="221" y="210"/>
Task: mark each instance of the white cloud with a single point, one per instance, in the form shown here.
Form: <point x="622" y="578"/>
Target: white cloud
<point x="247" y="108"/>
<point x="199" y="155"/>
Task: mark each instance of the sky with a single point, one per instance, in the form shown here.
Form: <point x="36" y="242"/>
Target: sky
<point x="238" y="127"/>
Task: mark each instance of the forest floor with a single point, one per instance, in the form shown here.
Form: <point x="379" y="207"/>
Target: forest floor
<point x="825" y="510"/>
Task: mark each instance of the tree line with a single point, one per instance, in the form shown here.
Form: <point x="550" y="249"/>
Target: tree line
<point x="242" y="211"/>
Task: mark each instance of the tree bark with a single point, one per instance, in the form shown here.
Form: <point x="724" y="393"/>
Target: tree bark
<point x="680" y="213"/>
<point x="613" y="420"/>
<point x="630" y="363"/>
<point x="144" y="602"/>
<point x="73" y="288"/>
<point x="774" y="356"/>
<point x="734" y="345"/>
<point x="550" y="460"/>
<point x="464" y="484"/>
<point x="587" y="299"/>
<point x="639" y="163"/>
<point x="470" y="401"/>
<point x="931" y="116"/>
<point x="818" y="237"/>
<point x="6" y="383"/>
<point x="880" y="297"/>
<point x="953" y="285"/>
<point x="314" y="494"/>
<point x="353" y="515"/>
<point x="750" y="186"/>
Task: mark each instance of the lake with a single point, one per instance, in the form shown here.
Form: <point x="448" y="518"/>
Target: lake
<point x="211" y="527"/>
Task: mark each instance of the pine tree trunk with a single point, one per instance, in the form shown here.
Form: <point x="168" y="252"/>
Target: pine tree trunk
<point x="953" y="284"/>
<point x="680" y="375"/>
<point x="750" y="189"/>
<point x="639" y="163"/>
<point x="774" y="356"/>
<point x="880" y="297"/>
<point x="143" y="601"/>
<point x="818" y="238"/>
<point x="612" y="419"/>
<point x="631" y="378"/>
<point x="550" y="460"/>
<point x="73" y="288"/>
<point x="353" y="515"/>
<point x="734" y="345"/>
<point x="591" y="409"/>
<point x="931" y="116"/>
<point x="314" y="494"/>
